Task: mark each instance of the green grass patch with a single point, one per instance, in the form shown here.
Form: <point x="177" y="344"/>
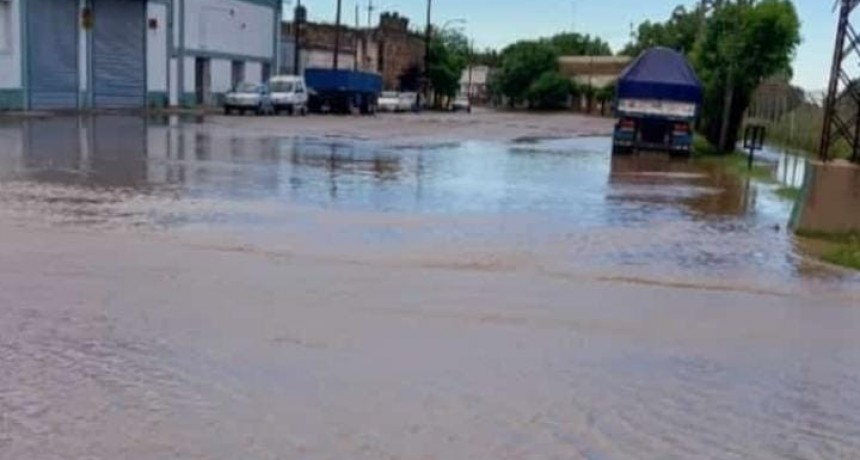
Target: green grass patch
<point x="789" y="193"/>
<point x="736" y="163"/>
<point x="845" y="254"/>
<point x="842" y="249"/>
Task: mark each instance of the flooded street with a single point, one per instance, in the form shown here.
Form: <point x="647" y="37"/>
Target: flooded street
<point x="488" y="287"/>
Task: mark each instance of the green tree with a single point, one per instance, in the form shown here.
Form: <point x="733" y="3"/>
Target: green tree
<point x="742" y="44"/>
<point x="521" y="65"/>
<point x="679" y="32"/>
<point x="575" y="44"/>
<point x="447" y="59"/>
<point x="487" y="57"/>
<point x="550" y="91"/>
<point x="604" y="96"/>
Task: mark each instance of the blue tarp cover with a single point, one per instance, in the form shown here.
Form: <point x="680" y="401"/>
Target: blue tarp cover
<point x="343" y="80"/>
<point x="660" y="73"/>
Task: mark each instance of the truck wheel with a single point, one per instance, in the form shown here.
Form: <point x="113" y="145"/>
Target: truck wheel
<point x="303" y="111"/>
<point x="227" y="110"/>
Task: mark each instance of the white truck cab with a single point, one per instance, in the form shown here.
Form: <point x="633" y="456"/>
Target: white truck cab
<point x="289" y="93"/>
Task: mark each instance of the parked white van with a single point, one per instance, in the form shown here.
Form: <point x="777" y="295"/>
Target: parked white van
<point x="289" y="93"/>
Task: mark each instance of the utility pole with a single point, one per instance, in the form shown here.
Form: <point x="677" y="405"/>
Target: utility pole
<point x="299" y="15"/>
<point x="355" y="40"/>
<point x="427" y="38"/>
<point x="337" y="32"/>
<point x="370" y="10"/>
<point x="471" y="66"/>
<point x="842" y="91"/>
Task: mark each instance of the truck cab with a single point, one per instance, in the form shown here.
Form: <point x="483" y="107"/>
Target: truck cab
<point x="657" y="103"/>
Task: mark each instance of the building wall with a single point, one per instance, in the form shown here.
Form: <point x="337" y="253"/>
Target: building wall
<point x="325" y="59"/>
<point x="222" y="74"/>
<point x="389" y="49"/>
<point x="84" y="37"/>
<point x="254" y="72"/>
<point x="223" y="31"/>
<point x="230" y="26"/>
<point x="11" y="91"/>
<point x="157" y="79"/>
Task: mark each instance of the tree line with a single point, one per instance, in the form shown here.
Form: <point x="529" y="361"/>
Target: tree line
<point x="734" y="45"/>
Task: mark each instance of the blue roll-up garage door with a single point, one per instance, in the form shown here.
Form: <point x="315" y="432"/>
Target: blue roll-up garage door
<point x="119" y="53"/>
<point x="53" y="53"/>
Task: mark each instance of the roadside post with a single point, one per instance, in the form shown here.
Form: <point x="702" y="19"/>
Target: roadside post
<point x="753" y="140"/>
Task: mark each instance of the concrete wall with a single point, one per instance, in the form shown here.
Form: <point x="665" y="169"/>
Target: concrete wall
<point x="253" y="72"/>
<point x="173" y="80"/>
<point x="84" y="39"/>
<point x="221" y="75"/>
<point x="325" y="59"/>
<point x="230" y="26"/>
<point x="10" y="46"/>
<point x="221" y="30"/>
<point x="157" y="48"/>
<point x="188" y="74"/>
<point x="11" y="91"/>
<point x="830" y="202"/>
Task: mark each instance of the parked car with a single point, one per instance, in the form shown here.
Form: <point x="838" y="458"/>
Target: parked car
<point x="290" y="94"/>
<point x="389" y="101"/>
<point x="247" y="97"/>
<point x="461" y="104"/>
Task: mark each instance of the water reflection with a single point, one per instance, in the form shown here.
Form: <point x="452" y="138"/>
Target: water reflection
<point x="698" y="190"/>
<point x="567" y="202"/>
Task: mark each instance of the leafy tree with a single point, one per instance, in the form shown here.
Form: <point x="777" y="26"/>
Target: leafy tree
<point x="736" y="47"/>
<point x="488" y="57"/>
<point x="521" y="65"/>
<point x="550" y="90"/>
<point x="742" y="44"/>
<point x="575" y="44"/>
<point x="446" y="61"/>
<point x="679" y="32"/>
<point x="605" y="96"/>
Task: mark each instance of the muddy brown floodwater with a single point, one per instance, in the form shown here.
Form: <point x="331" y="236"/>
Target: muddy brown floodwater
<point x="488" y="287"/>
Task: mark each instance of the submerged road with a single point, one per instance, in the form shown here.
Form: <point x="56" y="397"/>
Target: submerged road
<point x="223" y="290"/>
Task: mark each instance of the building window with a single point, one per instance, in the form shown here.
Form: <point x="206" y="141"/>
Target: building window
<point x="237" y="73"/>
<point x="5" y="26"/>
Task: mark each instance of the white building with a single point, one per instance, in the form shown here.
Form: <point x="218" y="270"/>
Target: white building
<point x="474" y="81"/>
<point x="71" y="54"/>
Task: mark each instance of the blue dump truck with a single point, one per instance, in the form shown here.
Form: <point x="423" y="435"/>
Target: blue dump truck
<point x="343" y="91"/>
<point x="657" y="101"/>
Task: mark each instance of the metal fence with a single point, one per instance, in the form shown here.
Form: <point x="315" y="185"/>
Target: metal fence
<point x="793" y="117"/>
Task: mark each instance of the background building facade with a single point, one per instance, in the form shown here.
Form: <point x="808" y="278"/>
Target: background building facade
<point x="390" y="49"/>
<point x="73" y="54"/>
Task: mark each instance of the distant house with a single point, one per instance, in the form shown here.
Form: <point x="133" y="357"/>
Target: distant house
<point x="594" y="71"/>
<point x="473" y="83"/>
<point x="74" y="54"/>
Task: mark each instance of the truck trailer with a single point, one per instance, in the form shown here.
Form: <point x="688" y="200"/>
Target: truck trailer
<point x="343" y="91"/>
<point x="657" y="101"/>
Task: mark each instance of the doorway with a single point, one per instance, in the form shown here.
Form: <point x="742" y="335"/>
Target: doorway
<point x="202" y="81"/>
